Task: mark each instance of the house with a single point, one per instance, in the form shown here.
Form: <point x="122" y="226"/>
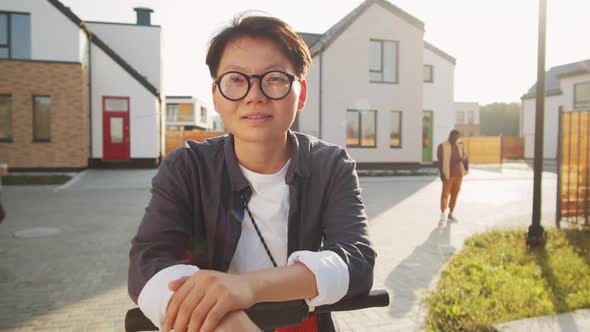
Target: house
<point x="467" y="118"/>
<point x="567" y="87"/>
<point x="77" y="94"/>
<point x="186" y="113"/>
<point x="372" y="84"/>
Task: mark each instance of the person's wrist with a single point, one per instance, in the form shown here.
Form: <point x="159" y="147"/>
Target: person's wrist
<point x="255" y="285"/>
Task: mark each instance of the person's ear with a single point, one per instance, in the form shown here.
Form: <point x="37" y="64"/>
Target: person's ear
<point x="213" y="89"/>
<point x="302" y="95"/>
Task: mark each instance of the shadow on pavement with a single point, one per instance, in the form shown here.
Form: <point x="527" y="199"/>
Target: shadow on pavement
<point x="376" y="201"/>
<point x="417" y="271"/>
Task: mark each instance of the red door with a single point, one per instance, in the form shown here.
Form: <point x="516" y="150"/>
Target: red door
<point x="115" y="128"/>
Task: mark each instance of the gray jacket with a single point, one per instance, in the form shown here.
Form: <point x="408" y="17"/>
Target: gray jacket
<point x="199" y="194"/>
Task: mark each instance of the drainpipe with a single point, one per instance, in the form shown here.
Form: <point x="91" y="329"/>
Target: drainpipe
<point x="320" y="97"/>
<point x="89" y="35"/>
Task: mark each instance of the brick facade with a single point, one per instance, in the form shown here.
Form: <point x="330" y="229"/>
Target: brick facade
<point x="67" y="85"/>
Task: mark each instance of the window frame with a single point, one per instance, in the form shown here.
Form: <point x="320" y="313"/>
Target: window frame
<point x="203" y="114"/>
<point x="431" y="70"/>
<point x="35" y="138"/>
<point x="9" y="138"/>
<point x="462" y="117"/>
<point x="360" y="126"/>
<point x="8" y="44"/>
<point x="381" y="57"/>
<point x="400" y="145"/>
<point x="471" y="117"/>
<point x="175" y="119"/>
<point x="581" y="104"/>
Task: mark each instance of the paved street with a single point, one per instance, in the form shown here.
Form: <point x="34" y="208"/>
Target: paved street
<point x="63" y="250"/>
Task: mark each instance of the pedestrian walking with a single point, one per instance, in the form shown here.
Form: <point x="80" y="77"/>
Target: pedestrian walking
<point x="453" y="164"/>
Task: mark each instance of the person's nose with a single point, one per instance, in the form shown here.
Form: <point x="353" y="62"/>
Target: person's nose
<point x="255" y="94"/>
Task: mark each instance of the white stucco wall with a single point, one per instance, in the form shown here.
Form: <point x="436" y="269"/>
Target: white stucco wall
<point x="438" y="97"/>
<point x="309" y="117"/>
<point x="54" y="36"/>
<point x="467" y="107"/>
<point x="550" y="130"/>
<point x="110" y="79"/>
<point x="345" y="85"/>
<point x="139" y="45"/>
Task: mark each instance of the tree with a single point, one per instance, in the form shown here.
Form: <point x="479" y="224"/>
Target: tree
<point x="499" y="119"/>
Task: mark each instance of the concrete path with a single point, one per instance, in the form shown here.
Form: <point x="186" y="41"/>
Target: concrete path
<point x="63" y="250"/>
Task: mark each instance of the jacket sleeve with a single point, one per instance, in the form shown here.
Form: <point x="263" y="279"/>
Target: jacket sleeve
<point x="345" y="225"/>
<point x="163" y="236"/>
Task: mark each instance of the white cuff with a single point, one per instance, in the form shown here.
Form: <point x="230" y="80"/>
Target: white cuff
<point x="331" y="275"/>
<point x="155" y="295"/>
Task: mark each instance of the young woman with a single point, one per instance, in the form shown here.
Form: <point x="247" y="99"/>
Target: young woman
<point x="263" y="214"/>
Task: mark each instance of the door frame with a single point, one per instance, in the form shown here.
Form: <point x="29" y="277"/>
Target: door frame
<point x="115" y="151"/>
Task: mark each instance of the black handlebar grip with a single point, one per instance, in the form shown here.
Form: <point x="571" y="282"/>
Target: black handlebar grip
<point x="375" y="298"/>
<point x="136" y="321"/>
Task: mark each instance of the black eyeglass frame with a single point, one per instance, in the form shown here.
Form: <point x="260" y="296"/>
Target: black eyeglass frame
<point x="249" y="80"/>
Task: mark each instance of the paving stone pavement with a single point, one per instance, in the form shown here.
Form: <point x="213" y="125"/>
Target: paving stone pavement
<point x="75" y="280"/>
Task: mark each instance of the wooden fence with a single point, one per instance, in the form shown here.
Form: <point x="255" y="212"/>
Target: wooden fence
<point x="493" y="149"/>
<point x="573" y="176"/>
<point x="177" y="138"/>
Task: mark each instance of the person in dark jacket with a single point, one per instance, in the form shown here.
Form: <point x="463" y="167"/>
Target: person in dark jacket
<point x="263" y="214"/>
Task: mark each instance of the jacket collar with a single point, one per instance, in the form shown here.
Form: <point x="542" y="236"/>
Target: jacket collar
<point x="299" y="162"/>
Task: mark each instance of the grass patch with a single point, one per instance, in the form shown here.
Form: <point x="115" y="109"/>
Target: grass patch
<point x="496" y="278"/>
<point x="18" y="180"/>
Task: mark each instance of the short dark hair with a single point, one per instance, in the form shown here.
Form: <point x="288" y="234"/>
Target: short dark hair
<point x="454" y="131"/>
<point x="266" y="27"/>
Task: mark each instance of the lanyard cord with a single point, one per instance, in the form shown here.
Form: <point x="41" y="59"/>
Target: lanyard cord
<point x="260" y="236"/>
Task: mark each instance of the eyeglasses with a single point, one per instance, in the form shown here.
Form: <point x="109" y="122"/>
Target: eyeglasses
<point x="274" y="84"/>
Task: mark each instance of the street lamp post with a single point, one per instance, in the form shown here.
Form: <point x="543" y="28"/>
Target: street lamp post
<point x="536" y="234"/>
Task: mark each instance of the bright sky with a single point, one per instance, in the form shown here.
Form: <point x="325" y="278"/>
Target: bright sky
<point x="494" y="42"/>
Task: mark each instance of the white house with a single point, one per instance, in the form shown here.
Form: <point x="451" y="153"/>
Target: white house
<point x="566" y="87"/>
<point x="467" y="118"/>
<point x="186" y="112"/>
<point x="78" y="94"/>
<point x="366" y="88"/>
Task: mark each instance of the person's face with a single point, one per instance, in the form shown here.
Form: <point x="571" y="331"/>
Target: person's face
<point x="257" y="118"/>
<point x="454" y="137"/>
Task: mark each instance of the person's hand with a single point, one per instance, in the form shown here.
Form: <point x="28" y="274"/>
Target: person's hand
<point x="202" y="301"/>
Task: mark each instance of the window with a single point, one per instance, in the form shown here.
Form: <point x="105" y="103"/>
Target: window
<point x="470" y="117"/>
<point x="582" y="95"/>
<point x="361" y="128"/>
<point x="172" y="114"/>
<point x="460" y="117"/>
<point x="15" y="36"/>
<point x="5" y="118"/>
<point x="383" y="61"/>
<point x="203" y="114"/>
<point x="41" y="118"/>
<point x="428" y="73"/>
<point x="395" y="129"/>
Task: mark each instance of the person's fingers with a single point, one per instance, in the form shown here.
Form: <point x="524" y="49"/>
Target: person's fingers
<point x="173" y="306"/>
<point x="201" y="312"/>
<point x="221" y="308"/>
<point x="186" y="309"/>
<point x="174" y="285"/>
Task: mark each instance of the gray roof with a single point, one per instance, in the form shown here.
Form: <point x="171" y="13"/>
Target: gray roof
<point x="552" y="81"/>
<point x="310" y="38"/>
<point x="323" y="41"/>
<point x="439" y="52"/>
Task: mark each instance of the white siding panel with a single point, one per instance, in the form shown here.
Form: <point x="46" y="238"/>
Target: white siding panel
<point x="139" y="45"/>
<point x="551" y="126"/>
<point x="345" y="85"/>
<point x="438" y="97"/>
<point x="54" y="36"/>
<point x="110" y="79"/>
